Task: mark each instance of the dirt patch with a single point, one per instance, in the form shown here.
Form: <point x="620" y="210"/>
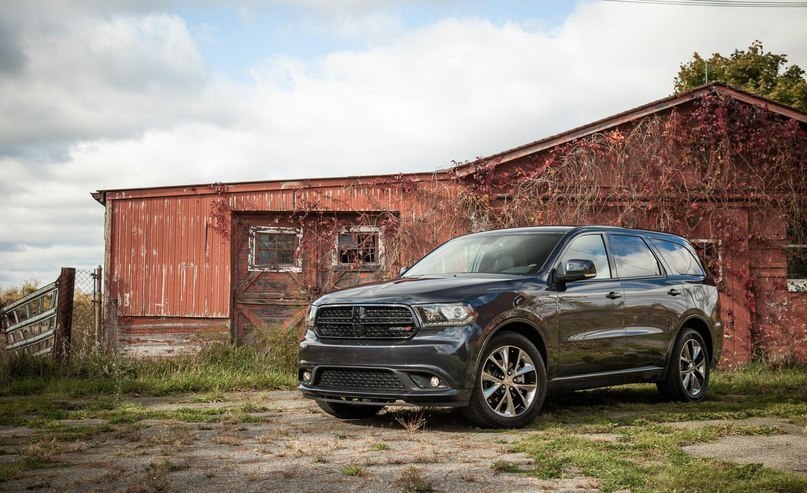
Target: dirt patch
<point x="278" y="441"/>
<point x="294" y="447"/>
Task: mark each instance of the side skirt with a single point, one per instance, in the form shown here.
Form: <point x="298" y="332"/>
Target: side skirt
<point x="644" y="374"/>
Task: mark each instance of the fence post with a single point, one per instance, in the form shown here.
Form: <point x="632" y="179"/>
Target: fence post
<point x="96" y="304"/>
<point x="64" y="314"/>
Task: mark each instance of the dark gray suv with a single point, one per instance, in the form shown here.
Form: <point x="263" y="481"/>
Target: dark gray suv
<point x="488" y="322"/>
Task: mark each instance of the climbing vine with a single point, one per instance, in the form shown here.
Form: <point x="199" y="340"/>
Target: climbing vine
<point x="722" y="171"/>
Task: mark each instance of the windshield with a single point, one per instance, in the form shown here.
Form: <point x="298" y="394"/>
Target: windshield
<point x="514" y="253"/>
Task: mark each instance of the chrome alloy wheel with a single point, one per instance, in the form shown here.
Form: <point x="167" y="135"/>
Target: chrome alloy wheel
<point x="509" y="381"/>
<point x="692" y="367"/>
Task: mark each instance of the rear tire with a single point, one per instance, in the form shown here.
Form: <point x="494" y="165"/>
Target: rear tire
<point x="349" y="411"/>
<point x="687" y="377"/>
<point x="510" y="383"/>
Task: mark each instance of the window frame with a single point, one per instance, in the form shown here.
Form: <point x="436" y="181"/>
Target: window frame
<point x="295" y="266"/>
<point x="671" y="270"/>
<point x="606" y="245"/>
<point x="661" y="266"/>
<point x="794" y="284"/>
<point x="361" y="266"/>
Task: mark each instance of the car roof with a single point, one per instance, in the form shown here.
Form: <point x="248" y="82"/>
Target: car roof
<point x="572" y="230"/>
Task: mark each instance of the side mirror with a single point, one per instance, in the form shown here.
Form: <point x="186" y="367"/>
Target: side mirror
<point x="576" y="270"/>
<point x="403" y="270"/>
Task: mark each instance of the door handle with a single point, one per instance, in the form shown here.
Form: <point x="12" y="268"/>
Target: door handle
<point x="613" y="295"/>
<point x="674" y="292"/>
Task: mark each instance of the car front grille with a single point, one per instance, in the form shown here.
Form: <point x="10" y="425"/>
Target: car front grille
<point x="365" y="322"/>
<point x="335" y="378"/>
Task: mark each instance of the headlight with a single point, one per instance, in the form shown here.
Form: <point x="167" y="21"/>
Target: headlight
<point x="310" y="316"/>
<point x="446" y="314"/>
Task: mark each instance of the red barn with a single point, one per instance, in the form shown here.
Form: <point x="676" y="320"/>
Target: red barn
<point x="189" y="264"/>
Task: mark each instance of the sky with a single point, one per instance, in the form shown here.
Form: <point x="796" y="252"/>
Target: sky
<point x="111" y="94"/>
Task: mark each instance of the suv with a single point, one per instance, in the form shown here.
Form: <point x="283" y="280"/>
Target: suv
<point x="488" y="322"/>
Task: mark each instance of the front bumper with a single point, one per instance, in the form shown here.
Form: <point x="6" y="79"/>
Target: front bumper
<point x="373" y="372"/>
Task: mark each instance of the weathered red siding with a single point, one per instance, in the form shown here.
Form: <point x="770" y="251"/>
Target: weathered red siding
<point x="174" y="257"/>
<point x="166" y="259"/>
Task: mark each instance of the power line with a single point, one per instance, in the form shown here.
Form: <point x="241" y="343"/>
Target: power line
<point x="719" y="3"/>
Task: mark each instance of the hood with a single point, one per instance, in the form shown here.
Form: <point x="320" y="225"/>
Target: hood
<point x="430" y="289"/>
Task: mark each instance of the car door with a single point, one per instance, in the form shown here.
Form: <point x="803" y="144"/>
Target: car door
<point x="653" y="300"/>
<point x="589" y="323"/>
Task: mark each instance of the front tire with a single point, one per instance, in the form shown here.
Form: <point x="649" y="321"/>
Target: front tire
<point x="510" y="383"/>
<point x="687" y="376"/>
<point x="349" y="411"/>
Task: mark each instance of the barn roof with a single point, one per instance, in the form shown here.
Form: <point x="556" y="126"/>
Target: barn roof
<point x="628" y="117"/>
<point x="467" y="168"/>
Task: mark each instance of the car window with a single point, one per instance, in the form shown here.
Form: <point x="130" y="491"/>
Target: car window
<point x="633" y="257"/>
<point x="589" y="247"/>
<point x="505" y="253"/>
<point x="678" y="257"/>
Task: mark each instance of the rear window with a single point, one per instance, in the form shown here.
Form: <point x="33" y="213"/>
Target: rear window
<point x="679" y="258"/>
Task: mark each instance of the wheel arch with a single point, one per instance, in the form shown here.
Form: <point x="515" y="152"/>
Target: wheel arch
<point x="699" y="325"/>
<point x="525" y="328"/>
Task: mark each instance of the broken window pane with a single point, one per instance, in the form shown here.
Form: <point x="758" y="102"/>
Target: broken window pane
<point x="358" y="247"/>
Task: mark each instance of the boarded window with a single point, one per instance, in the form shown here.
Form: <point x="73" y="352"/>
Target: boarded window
<point x="274" y="249"/>
<point x="358" y="247"/>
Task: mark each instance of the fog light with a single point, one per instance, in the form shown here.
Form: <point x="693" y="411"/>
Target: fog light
<point x="435" y="382"/>
<point x="306" y="376"/>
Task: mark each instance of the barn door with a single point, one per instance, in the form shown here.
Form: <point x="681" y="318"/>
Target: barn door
<point x="354" y="255"/>
<point x="269" y="279"/>
<point x="282" y="261"/>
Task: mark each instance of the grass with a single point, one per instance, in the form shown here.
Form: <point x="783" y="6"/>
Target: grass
<point x="353" y="470"/>
<point x="647" y="456"/>
<point x="640" y="453"/>
<point x="504" y="466"/>
<point x="215" y="369"/>
<point x="752" y="391"/>
<point x="649" y="459"/>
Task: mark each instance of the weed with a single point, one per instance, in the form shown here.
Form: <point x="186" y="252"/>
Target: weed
<point x="11" y="470"/>
<point x="413" y="481"/>
<point x="411" y="421"/>
<point x="211" y="397"/>
<point x="504" y="466"/>
<point x="174" y="435"/>
<point x="227" y="435"/>
<point x="353" y="470"/>
<point x="379" y="446"/>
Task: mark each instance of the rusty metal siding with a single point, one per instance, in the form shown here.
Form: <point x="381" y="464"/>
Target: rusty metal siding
<point x="166" y="260"/>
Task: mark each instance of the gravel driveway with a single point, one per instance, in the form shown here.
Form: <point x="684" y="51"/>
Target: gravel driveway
<point x="278" y="441"/>
<point x="288" y="444"/>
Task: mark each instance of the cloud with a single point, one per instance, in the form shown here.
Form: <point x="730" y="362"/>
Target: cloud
<point x="120" y="97"/>
<point x="96" y="78"/>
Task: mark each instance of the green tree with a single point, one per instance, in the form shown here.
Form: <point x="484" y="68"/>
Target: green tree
<point x="756" y="71"/>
